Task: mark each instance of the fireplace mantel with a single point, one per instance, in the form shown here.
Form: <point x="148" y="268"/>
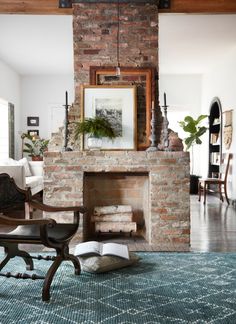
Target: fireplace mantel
<point x="167" y="192"/>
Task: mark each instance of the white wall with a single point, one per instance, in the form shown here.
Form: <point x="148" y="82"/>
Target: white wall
<point x="184" y="93"/>
<point x="10" y="91"/>
<point x="220" y="82"/>
<point x="41" y="94"/>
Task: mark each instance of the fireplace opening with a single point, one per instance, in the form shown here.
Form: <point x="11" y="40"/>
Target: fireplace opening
<point x="117" y="189"/>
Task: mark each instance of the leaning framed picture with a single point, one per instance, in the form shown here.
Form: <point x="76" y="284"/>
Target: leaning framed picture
<point x="118" y="105"/>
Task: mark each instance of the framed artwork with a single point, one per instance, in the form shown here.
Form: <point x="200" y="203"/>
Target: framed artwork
<point x="118" y="105"/>
<point x="33" y="132"/>
<point x="228" y="128"/>
<point x="32" y="121"/>
<point x="144" y="79"/>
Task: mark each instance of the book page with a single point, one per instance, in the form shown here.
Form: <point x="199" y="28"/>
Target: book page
<point x="91" y="247"/>
<point x="120" y="250"/>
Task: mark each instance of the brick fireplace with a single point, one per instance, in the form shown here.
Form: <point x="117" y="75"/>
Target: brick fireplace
<point x="156" y="184"/>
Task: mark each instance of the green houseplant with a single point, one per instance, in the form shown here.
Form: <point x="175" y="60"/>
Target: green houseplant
<point x="95" y="128"/>
<point x="194" y="132"/>
<point x="34" y="146"/>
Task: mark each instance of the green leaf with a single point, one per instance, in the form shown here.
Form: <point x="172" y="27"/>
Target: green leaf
<point x="200" y="118"/>
<point x="97" y="127"/>
<point x="191" y="126"/>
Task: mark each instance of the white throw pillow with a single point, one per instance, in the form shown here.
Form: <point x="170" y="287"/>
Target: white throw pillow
<point x="99" y="264"/>
<point x="25" y="163"/>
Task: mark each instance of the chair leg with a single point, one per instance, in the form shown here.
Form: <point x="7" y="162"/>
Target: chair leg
<point x="76" y="263"/>
<point x="27" y="258"/>
<point x="199" y="191"/>
<point x="11" y="251"/>
<point x="204" y="192"/>
<point x="4" y="261"/>
<point x="62" y="255"/>
<point x="226" y="195"/>
<point x="220" y="191"/>
<point x="49" y="277"/>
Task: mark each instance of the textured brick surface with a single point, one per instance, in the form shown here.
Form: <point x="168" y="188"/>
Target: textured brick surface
<point x="166" y="201"/>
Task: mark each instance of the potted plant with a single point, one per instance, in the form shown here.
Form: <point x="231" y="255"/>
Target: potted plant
<point x="34" y="146"/>
<point x="194" y="131"/>
<point x="95" y="128"/>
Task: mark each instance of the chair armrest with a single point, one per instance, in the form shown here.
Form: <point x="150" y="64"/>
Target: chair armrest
<point x="16" y="222"/>
<point x="52" y="209"/>
<point x="48" y="208"/>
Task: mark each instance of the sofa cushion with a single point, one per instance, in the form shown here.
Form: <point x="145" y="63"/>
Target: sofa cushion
<point x="33" y="181"/>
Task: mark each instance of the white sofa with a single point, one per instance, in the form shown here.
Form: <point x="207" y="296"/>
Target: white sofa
<point x="20" y="174"/>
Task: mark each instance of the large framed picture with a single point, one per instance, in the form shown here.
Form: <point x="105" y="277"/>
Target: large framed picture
<point x="118" y="105"/>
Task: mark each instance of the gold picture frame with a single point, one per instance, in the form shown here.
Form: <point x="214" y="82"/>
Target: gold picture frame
<point x="118" y="105"/>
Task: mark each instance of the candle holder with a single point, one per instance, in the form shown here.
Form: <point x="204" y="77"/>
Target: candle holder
<point x="165" y="128"/>
<point x="153" y="137"/>
<point x="67" y="106"/>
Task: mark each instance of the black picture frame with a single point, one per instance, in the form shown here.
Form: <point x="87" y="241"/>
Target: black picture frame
<point x="33" y="132"/>
<point x="32" y="121"/>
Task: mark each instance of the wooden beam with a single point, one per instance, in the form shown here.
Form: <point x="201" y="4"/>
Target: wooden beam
<point x="50" y="7"/>
<point x="37" y="7"/>
<point x="202" y="6"/>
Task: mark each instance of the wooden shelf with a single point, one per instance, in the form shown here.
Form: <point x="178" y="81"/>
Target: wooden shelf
<point x="215" y="137"/>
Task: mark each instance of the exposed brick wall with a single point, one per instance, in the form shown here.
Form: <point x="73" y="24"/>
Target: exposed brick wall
<point x="95" y="44"/>
<point x="167" y="191"/>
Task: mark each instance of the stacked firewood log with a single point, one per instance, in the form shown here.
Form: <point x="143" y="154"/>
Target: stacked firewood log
<point x="115" y="218"/>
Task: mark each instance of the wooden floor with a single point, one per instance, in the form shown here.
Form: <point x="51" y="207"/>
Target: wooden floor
<point x="213" y="229"/>
<point x="213" y="226"/>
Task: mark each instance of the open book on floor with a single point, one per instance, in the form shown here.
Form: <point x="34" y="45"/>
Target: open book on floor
<point x="98" y="248"/>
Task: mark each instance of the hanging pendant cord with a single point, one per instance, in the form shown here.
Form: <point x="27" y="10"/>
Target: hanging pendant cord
<point x="118" y="33"/>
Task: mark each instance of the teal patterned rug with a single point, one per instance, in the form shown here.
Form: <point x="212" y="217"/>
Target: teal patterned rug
<point x="162" y="288"/>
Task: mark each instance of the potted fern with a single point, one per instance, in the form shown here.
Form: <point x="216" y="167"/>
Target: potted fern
<point x="96" y="128"/>
<point x="194" y="131"/>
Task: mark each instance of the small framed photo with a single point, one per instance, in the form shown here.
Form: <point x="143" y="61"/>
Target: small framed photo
<point x="32" y="121"/>
<point x="33" y="132"/>
<point x="118" y="105"/>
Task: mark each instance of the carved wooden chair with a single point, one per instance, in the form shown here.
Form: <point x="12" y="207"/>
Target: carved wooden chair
<point x="220" y="183"/>
<point x="35" y="231"/>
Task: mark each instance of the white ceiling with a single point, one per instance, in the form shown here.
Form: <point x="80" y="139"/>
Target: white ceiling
<point x="33" y="44"/>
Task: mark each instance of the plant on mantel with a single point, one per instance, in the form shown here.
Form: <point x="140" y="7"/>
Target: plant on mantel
<point x="96" y="128"/>
<point x="34" y="146"/>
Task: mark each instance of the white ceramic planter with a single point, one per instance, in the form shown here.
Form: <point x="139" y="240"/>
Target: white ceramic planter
<point x="94" y="143"/>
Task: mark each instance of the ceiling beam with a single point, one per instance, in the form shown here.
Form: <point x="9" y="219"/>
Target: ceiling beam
<point x="37" y="7"/>
<point x="202" y="6"/>
<point x="50" y="7"/>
